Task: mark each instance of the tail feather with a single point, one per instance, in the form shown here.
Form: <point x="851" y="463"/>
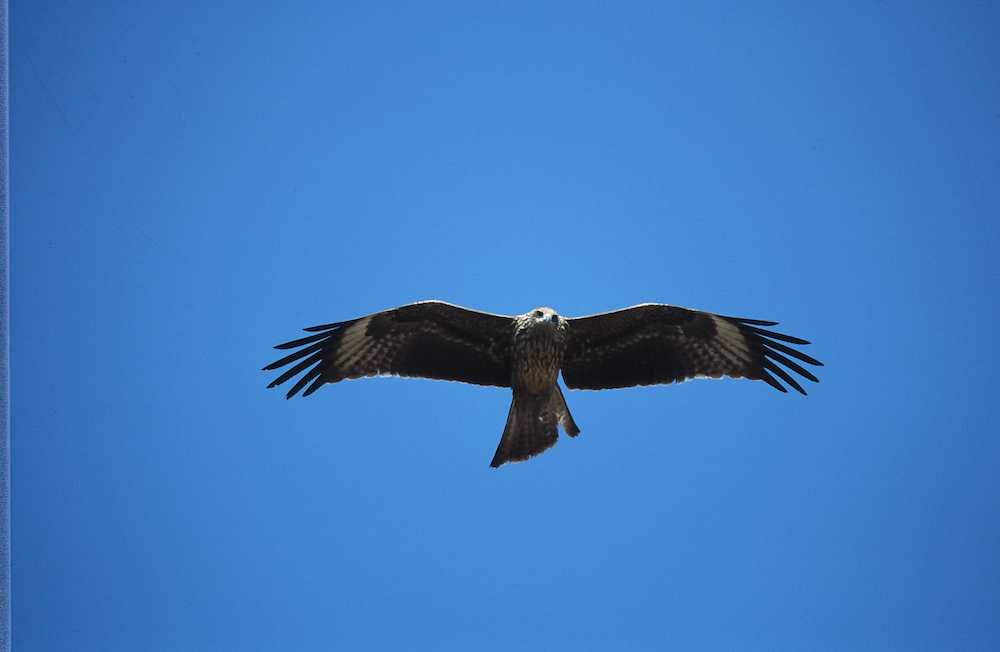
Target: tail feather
<point x="565" y="418"/>
<point x="533" y="426"/>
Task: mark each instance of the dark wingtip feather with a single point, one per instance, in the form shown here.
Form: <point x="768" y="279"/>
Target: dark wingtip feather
<point x="790" y="351"/>
<point x="314" y="359"/>
<point x="315" y="371"/>
<point x="764" y="341"/>
<point x="777" y="336"/>
<point x="797" y="368"/>
<point x="784" y="375"/>
<point x="300" y="342"/>
<point x="329" y="327"/>
<point x="301" y="353"/>
<point x="769" y="379"/>
<point x="314" y="348"/>
<point x="316" y="385"/>
<point x="746" y="320"/>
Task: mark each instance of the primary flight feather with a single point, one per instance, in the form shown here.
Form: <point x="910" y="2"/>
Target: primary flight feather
<point x="646" y="344"/>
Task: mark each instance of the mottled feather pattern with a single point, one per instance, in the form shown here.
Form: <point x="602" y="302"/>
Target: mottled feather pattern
<point x="538" y="346"/>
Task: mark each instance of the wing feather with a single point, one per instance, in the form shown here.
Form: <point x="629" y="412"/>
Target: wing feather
<point x="755" y="322"/>
<point x="655" y="343"/>
<point x="310" y="375"/>
<point x="300" y="342"/>
<point x="776" y="336"/>
<point x="777" y="346"/>
<point x="296" y="370"/>
<point x="784" y="375"/>
<point x="769" y="379"/>
<point x="277" y="364"/>
<point x="774" y="355"/>
<point x="429" y="339"/>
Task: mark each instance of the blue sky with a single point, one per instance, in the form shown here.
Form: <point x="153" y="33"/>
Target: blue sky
<point x="191" y="185"/>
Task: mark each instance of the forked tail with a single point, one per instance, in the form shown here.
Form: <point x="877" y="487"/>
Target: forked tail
<point x="533" y="426"/>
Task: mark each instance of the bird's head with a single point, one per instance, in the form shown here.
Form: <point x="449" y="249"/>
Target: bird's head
<point x="548" y="317"/>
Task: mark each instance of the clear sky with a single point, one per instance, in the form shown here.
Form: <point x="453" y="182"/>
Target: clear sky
<point x="192" y="184"/>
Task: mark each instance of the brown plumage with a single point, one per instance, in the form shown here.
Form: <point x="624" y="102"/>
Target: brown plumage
<point x="642" y="345"/>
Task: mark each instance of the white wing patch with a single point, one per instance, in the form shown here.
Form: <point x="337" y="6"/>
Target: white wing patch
<point x="353" y="345"/>
<point x="734" y="345"/>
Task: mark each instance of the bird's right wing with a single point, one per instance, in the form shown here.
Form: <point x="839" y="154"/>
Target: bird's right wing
<point x="428" y="339"/>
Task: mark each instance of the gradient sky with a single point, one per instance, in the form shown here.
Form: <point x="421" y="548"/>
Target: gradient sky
<point x="192" y="184"/>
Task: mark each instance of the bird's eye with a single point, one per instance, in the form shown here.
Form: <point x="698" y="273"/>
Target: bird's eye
<point x="554" y="318"/>
<point x="538" y="313"/>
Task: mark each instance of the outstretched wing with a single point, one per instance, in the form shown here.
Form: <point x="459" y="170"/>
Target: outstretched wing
<point x="652" y="343"/>
<point x="429" y="339"/>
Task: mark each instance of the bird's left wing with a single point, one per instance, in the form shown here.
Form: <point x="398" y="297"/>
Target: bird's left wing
<point x="429" y="339"/>
<point x="653" y="343"/>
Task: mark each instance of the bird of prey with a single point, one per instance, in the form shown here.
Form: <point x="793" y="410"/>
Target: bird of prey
<point x="646" y="344"/>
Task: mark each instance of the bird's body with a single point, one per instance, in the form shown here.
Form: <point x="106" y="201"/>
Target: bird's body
<point x="642" y="345"/>
<point x="539" y="343"/>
